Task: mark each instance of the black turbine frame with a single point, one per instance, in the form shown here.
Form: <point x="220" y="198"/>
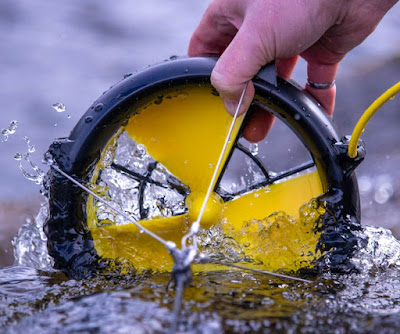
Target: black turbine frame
<point x="69" y="239"/>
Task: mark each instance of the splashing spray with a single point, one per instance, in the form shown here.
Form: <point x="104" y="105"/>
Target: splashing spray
<point x="6" y="132"/>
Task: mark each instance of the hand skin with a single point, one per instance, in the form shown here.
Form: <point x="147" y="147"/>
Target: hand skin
<point x="247" y="34"/>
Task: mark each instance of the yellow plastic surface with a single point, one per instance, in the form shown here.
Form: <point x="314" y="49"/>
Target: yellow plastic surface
<point x="186" y="133"/>
<point x="213" y="211"/>
<point x="273" y="226"/>
<point x="287" y="196"/>
<point x="127" y="243"/>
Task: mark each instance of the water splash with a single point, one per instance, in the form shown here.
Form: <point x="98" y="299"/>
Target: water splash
<point x="38" y="175"/>
<point x="129" y="173"/>
<point x="253" y="174"/>
<point x="31" y="148"/>
<point x="30" y="243"/>
<point x="382" y="250"/>
<point x="6" y="132"/>
<point x="24" y="159"/>
<point x="253" y="148"/>
<point x="278" y="241"/>
<point x="59" y="107"/>
<point x="216" y="245"/>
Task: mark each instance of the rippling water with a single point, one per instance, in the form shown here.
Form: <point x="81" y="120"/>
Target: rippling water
<point x="45" y="301"/>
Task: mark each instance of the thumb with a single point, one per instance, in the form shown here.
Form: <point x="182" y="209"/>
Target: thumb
<point x="239" y="63"/>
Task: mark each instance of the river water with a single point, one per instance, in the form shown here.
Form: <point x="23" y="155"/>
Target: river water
<point x="71" y="52"/>
<point x="46" y="301"/>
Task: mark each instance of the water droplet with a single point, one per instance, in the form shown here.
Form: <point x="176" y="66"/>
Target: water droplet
<point x="253" y="148"/>
<point x="12" y="127"/>
<point x="99" y="107"/>
<point x="88" y="119"/>
<point x="210" y="165"/>
<point x="173" y="57"/>
<point x="69" y="116"/>
<point x="37" y="176"/>
<point x="154" y="139"/>
<point x="127" y="75"/>
<point x="55" y="124"/>
<point x="296" y="117"/>
<point x="159" y="99"/>
<point x="141" y="231"/>
<point x="59" y="107"/>
<point x="392" y="98"/>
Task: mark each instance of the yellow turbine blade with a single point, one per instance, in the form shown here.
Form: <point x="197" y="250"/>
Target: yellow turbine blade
<point x="288" y="196"/>
<point x="267" y="222"/>
<point x="186" y="134"/>
<point x="128" y="243"/>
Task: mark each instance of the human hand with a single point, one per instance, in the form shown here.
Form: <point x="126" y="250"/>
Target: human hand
<point x="248" y="34"/>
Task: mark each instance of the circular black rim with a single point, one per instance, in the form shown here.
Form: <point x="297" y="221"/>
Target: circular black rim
<point x="69" y="240"/>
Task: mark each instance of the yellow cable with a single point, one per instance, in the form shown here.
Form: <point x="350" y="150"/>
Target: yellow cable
<point x="359" y="128"/>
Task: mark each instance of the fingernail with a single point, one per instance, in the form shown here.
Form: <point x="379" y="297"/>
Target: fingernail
<point x="230" y="106"/>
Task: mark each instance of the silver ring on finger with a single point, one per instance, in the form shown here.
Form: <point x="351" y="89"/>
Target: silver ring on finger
<point x="321" y="85"/>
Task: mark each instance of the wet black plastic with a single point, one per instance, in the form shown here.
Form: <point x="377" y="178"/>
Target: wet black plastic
<point x="69" y="240"/>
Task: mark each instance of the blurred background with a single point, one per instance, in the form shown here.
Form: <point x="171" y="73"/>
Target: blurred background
<point x="70" y="52"/>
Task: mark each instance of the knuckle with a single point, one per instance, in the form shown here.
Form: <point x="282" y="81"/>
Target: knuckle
<point x="225" y="83"/>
